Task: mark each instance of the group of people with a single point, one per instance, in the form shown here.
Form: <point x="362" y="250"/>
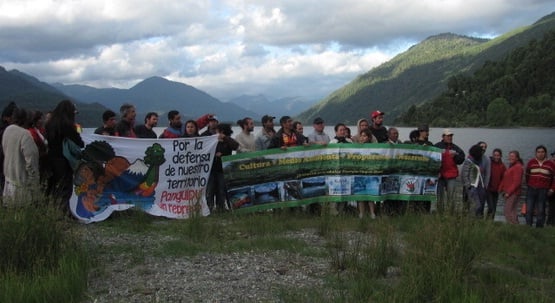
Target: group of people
<point x="32" y="154"/>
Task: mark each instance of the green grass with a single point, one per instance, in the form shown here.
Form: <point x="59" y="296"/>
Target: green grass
<point x="41" y="259"/>
<point x="411" y="258"/>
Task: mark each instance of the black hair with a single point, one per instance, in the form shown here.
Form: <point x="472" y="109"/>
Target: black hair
<point x="150" y="114"/>
<point x="225" y="129"/>
<point x="107" y="115"/>
<point x="172" y="114"/>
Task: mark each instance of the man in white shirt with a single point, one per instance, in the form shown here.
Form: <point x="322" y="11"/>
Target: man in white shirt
<point x="318" y="136"/>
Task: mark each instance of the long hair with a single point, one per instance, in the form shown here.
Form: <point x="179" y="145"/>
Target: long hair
<point x="63" y="117"/>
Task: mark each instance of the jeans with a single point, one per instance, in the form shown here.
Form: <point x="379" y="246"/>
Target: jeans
<point x="535" y="199"/>
<point x="492" y="199"/>
<point x="446" y="194"/>
<point x="478" y="195"/>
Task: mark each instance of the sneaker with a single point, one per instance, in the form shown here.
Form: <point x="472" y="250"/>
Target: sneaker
<point x="373" y="216"/>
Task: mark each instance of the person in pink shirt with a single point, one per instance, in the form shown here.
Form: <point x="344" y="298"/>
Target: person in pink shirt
<point x="511" y="185"/>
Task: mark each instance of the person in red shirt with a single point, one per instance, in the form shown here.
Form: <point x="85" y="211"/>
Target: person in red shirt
<point x="540" y="180"/>
<point x="497" y="169"/>
<point x="511" y="185"/>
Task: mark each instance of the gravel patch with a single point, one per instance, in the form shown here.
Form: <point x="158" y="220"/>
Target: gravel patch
<point x="236" y="277"/>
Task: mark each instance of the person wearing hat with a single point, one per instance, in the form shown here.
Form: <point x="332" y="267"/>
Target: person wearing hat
<point x="451" y="157"/>
<point x="378" y="130"/>
<point x="211" y="129"/>
<point x="264" y="137"/>
<point x="318" y="136"/>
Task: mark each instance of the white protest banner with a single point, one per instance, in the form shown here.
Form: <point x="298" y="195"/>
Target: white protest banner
<point x="163" y="177"/>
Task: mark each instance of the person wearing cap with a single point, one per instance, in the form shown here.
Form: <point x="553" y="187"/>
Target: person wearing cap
<point x="212" y="127"/>
<point x="245" y="137"/>
<point x="540" y="180"/>
<point x="378" y="130"/>
<point x="286" y="135"/>
<point x="263" y="139"/>
<point x="146" y="130"/>
<point x="318" y="136"/>
<point x="451" y="157"/>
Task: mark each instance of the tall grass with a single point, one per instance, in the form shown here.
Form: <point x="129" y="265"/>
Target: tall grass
<point x="41" y="259"/>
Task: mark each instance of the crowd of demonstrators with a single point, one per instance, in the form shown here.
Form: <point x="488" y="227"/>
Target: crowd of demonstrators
<point x="32" y="151"/>
<point x="146" y="130"/>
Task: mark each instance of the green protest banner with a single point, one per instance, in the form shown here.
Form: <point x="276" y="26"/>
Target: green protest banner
<point x="334" y="173"/>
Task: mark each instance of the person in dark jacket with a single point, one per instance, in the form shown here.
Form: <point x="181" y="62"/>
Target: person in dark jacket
<point x="61" y="126"/>
<point x="216" y="191"/>
<point x="451" y="157"/>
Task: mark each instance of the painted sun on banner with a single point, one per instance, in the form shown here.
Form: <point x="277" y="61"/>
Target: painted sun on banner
<point x="162" y="177"/>
<point x="333" y="173"/>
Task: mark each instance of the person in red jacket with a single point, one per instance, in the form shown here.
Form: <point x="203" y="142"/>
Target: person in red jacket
<point x="451" y="156"/>
<point x="497" y="169"/>
<point x="540" y="180"/>
<point x="511" y="185"/>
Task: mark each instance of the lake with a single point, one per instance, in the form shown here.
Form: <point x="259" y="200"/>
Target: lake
<point x="523" y="140"/>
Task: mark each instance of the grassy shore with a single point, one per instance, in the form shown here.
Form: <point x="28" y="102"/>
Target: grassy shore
<point x="410" y="258"/>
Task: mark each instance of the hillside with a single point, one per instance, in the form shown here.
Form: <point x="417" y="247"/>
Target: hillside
<point x="517" y="90"/>
<point x="30" y="93"/>
<point x="160" y="95"/>
<point x="420" y="74"/>
<point x="260" y="104"/>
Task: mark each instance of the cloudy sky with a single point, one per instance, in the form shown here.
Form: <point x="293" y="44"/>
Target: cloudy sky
<point x="231" y="47"/>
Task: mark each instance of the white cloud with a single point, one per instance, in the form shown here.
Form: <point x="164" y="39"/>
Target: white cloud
<point x="234" y="47"/>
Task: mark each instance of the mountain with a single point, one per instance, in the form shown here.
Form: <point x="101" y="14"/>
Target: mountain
<point x="260" y="104"/>
<point x="517" y="90"/>
<point x="30" y="93"/>
<point x="157" y="94"/>
<point x="419" y="74"/>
